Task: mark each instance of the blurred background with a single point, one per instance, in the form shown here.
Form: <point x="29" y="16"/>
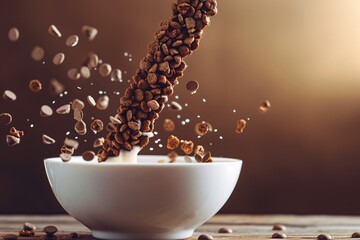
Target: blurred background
<point x="301" y="157"/>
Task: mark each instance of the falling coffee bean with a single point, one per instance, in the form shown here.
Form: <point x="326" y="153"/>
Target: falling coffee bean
<point x="88" y="155"/>
<point x="47" y="140"/>
<point x="78" y="115"/>
<point x="35" y="85"/>
<point x="77" y="104"/>
<point x="58" y="58"/>
<point x="14" y="34"/>
<point x="50" y="230"/>
<point x="102" y="102"/>
<point x="105" y="69"/>
<point x="5" y="119"/>
<point x="91" y="101"/>
<point x="74" y="235"/>
<point x="85" y="72"/>
<point x="324" y="237"/>
<point x="205" y="237"/>
<point x="73" y="74"/>
<point x="56" y="87"/>
<point x="279" y="227"/>
<point x="72" y="41"/>
<point x="65" y="109"/>
<point x="26" y="233"/>
<point x="12" y="140"/>
<point x="192" y="86"/>
<point x="9" y="95"/>
<point x="225" y="230"/>
<point x="46" y="111"/>
<point x="89" y="32"/>
<point x="37" y="53"/>
<point x="265" y="106"/>
<point x="279" y="235"/>
<point x="98" y="142"/>
<point x="80" y="127"/>
<point x="71" y="143"/>
<point x="175" y="106"/>
<point x="54" y="31"/>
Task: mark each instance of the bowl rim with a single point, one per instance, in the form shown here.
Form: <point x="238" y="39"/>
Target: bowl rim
<point x="77" y="160"/>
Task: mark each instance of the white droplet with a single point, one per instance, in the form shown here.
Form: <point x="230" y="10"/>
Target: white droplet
<point x="221" y="137"/>
<point x="31" y="125"/>
<point x="234" y="111"/>
<point x="151" y="149"/>
<point x="76" y="137"/>
<point x="61" y="95"/>
<point x="215" y="130"/>
<point x="187" y="120"/>
<point x="198" y="136"/>
<point x="204" y="100"/>
<point x="126" y="54"/>
<point x="183" y="122"/>
<point x="101" y="92"/>
<point x="198" y="116"/>
<point x="186" y="105"/>
<point x="53" y="102"/>
<point x="67" y="133"/>
<point x="78" y="87"/>
<point x="65" y="93"/>
<point x="160" y="145"/>
<point x="178" y="116"/>
<point x="248" y="119"/>
<point x="156" y="133"/>
<point x="176" y="97"/>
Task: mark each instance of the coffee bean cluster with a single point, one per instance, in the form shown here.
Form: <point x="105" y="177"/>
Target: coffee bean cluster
<point x="157" y="76"/>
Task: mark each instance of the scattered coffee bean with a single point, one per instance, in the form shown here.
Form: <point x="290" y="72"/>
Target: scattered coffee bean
<point x="88" y="155"/>
<point x="5" y="119"/>
<point x="172" y="142"/>
<point x="169" y="125"/>
<point x="240" y="125"/>
<point x="91" y="101"/>
<point x="115" y="120"/>
<point x="279" y="235"/>
<point x="355" y="235"/>
<point x="207" y="157"/>
<point x="16" y="133"/>
<point x="187" y="147"/>
<point x="187" y="159"/>
<point x="67" y="150"/>
<point x="12" y="140"/>
<point x="85" y="72"/>
<point x="35" y="85"/>
<point x="175" y="106"/>
<point x="105" y="69"/>
<point x="192" y="86"/>
<point x="102" y="103"/>
<point x="54" y="31"/>
<point x="198" y="158"/>
<point x="324" y="237"/>
<point x="80" y="127"/>
<point x="46" y="111"/>
<point x="65" y="157"/>
<point x="26" y="233"/>
<point x="56" y="87"/>
<point x="98" y="142"/>
<point x="74" y="235"/>
<point x="116" y="75"/>
<point x="77" y="104"/>
<point x="72" y="41"/>
<point x="10" y="237"/>
<point x="279" y="227"/>
<point x="265" y="106"/>
<point x="50" y="230"/>
<point x="73" y="74"/>
<point x="58" y="58"/>
<point x="14" y="34"/>
<point x="153" y="105"/>
<point x="205" y="237"/>
<point x="172" y="156"/>
<point x="201" y="128"/>
<point x="37" y="53"/>
<point x="9" y="95"/>
<point x="225" y="230"/>
<point x="29" y="226"/>
<point x="89" y="32"/>
<point x="47" y="140"/>
<point x="78" y="114"/>
<point x="71" y="143"/>
<point x="65" y="109"/>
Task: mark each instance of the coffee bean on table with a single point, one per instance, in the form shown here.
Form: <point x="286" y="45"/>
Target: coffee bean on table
<point x="192" y="86"/>
<point x="54" y="31"/>
<point x="175" y="106"/>
<point x="225" y="230"/>
<point x="89" y="32"/>
<point x="26" y="233"/>
<point x="35" y="85"/>
<point x="324" y="237"/>
<point x="10" y="237"/>
<point x="29" y="226"/>
<point x="279" y="227"/>
<point x="72" y="41"/>
<point x="12" y="140"/>
<point x="74" y="235"/>
<point x="50" y="230"/>
<point x="88" y="155"/>
<point x="37" y="53"/>
<point x="9" y="95"/>
<point x="5" y="119"/>
<point x="46" y="111"/>
<point x="47" y="140"/>
<point x="105" y="69"/>
<point x="65" y="109"/>
<point x="14" y="34"/>
<point x="279" y="235"/>
<point x="355" y="235"/>
<point x="58" y="58"/>
<point x="205" y="237"/>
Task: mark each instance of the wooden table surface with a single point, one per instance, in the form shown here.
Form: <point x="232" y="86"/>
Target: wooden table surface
<point x="244" y="226"/>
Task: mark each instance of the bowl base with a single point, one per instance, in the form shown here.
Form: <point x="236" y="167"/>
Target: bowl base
<point x="142" y="236"/>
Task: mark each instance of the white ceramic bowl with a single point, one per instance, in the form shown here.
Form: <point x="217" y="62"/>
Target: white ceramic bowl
<point x="147" y="200"/>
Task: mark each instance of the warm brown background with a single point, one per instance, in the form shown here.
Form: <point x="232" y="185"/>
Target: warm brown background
<point x="303" y="156"/>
